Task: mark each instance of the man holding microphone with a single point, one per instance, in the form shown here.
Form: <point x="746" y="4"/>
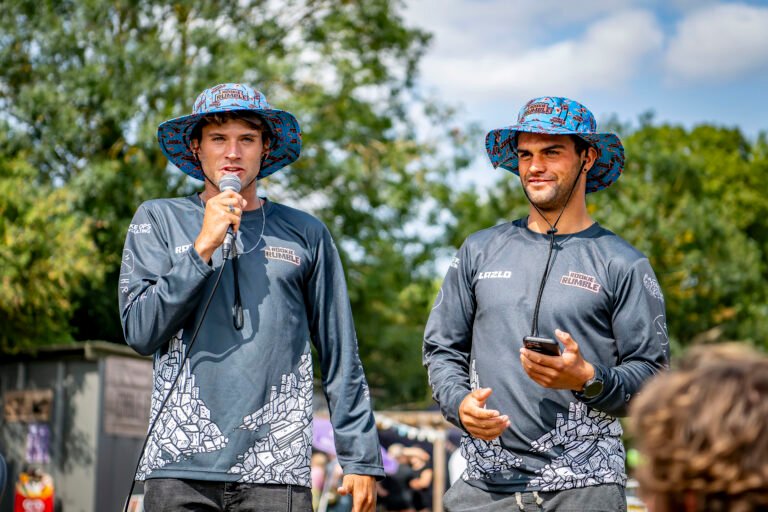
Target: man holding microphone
<point x="231" y="418"/>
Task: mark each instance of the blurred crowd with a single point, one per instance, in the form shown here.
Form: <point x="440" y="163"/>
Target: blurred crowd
<point x="408" y="488"/>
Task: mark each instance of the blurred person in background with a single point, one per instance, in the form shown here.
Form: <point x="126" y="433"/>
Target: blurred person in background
<point x="317" y="468"/>
<point x="702" y="431"/>
<point x="395" y="489"/>
<point x="421" y="485"/>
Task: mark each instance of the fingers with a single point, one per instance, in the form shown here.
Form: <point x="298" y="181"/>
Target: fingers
<point x="542" y="375"/>
<point x="363" y="491"/>
<point x="233" y="213"/>
<point x="474" y="404"/>
<point x="566" y="371"/>
<point x="226" y="209"/>
<point x="345" y="487"/>
<point x="221" y="211"/>
<point x="482" y="394"/>
<point x="531" y="366"/>
<point x="566" y="339"/>
<point x="531" y="359"/>
<point x="488" y="432"/>
<point x="231" y="205"/>
<point x="482" y="423"/>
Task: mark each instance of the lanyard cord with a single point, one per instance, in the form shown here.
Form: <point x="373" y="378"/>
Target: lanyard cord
<point x="551" y="232"/>
<point x="535" y="321"/>
<point x="237" y="311"/>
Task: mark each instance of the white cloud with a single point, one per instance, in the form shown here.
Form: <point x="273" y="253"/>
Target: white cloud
<point x="464" y="28"/>
<point x="684" y="6"/>
<point x="608" y="54"/>
<point x="720" y="43"/>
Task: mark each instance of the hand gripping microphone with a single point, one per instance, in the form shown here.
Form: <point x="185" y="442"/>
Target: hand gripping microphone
<point x="229" y="182"/>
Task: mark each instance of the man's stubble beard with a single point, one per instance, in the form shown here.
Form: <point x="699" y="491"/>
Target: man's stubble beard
<point x="553" y="201"/>
<point x="555" y="196"/>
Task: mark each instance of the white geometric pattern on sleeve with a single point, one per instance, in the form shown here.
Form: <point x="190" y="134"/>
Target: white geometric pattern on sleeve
<point x="592" y="451"/>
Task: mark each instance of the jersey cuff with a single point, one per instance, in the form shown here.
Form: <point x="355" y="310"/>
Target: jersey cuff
<point x="205" y="269"/>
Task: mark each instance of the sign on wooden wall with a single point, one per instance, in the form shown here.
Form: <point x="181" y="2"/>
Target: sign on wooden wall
<point x="28" y="405"/>
<point x="127" y="392"/>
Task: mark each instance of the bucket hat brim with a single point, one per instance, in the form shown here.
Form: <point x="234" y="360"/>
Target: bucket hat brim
<point x="285" y="142"/>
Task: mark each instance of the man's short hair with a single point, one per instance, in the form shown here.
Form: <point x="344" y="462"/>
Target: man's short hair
<point x="580" y="144"/>
<point x="703" y="434"/>
<point x="253" y="119"/>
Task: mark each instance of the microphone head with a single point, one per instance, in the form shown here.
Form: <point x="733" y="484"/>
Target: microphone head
<point x="230" y="182"/>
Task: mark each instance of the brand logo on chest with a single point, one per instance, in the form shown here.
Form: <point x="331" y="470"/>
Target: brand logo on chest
<point x="495" y="274"/>
<point x="282" y="253"/>
<point x="583" y="281"/>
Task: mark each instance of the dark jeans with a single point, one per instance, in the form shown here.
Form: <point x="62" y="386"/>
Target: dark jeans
<point x="462" y="497"/>
<point x="172" y="495"/>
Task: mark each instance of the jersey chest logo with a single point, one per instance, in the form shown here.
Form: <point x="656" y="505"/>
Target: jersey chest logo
<point x="282" y="253"/>
<point x="495" y="274"/>
<point x="580" y="280"/>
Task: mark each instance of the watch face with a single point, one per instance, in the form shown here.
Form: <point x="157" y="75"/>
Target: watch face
<point x="594" y="388"/>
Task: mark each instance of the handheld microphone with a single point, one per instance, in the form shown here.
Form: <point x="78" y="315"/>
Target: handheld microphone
<point x="229" y="182"/>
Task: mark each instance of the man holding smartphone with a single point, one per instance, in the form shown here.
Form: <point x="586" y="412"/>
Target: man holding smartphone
<point x="545" y="327"/>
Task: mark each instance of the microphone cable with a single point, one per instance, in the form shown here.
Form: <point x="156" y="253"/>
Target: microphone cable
<point x="173" y="384"/>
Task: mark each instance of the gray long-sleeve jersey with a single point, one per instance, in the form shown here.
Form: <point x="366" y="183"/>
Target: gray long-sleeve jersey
<point x="600" y="290"/>
<point x="242" y="408"/>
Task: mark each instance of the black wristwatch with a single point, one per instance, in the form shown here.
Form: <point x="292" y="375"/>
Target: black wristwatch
<point x="593" y="387"/>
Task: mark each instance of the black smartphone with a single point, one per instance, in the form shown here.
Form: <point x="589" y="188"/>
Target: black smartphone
<point x="546" y="346"/>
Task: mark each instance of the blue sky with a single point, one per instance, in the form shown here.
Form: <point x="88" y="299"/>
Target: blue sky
<point x="689" y="61"/>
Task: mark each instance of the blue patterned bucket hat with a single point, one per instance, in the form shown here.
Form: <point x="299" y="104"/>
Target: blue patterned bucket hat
<point x="559" y="116"/>
<point x="285" y="145"/>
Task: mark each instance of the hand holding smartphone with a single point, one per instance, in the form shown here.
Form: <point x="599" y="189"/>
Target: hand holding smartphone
<point x="546" y="346"/>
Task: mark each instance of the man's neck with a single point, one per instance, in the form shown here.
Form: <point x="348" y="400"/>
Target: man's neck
<point x="573" y="220"/>
<point x="254" y="201"/>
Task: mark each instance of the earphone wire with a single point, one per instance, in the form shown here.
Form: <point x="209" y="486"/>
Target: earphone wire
<point x="263" y="225"/>
<point x="551" y="232"/>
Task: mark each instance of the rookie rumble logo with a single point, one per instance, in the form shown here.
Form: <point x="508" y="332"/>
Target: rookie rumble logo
<point x="230" y="94"/>
<point x="537" y="108"/>
<point x="282" y="253"/>
<point x="582" y="281"/>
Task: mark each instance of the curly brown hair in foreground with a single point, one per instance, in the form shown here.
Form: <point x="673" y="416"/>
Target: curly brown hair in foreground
<point x="703" y="433"/>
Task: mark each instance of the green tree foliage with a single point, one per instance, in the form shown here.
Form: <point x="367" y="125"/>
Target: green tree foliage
<point x="693" y="201"/>
<point x="84" y="85"/>
<point x="45" y="257"/>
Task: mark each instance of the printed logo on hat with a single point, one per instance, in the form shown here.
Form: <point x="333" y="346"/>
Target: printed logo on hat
<point x="536" y="108"/>
<point x="230" y="94"/>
